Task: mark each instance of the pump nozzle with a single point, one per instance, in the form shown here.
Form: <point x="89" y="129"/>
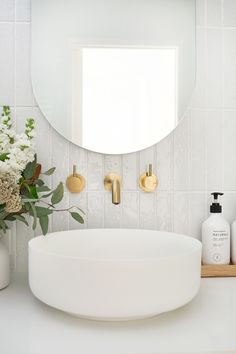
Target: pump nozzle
<point x="216" y="207"/>
<point x="215" y="194"/>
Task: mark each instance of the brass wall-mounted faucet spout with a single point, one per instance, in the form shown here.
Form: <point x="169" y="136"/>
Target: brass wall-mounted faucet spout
<point x="113" y="182"/>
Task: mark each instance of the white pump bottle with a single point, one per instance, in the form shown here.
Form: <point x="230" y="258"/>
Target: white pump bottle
<point x="216" y="236"/>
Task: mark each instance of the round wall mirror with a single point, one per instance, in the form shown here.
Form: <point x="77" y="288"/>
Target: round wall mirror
<point x="113" y="76"/>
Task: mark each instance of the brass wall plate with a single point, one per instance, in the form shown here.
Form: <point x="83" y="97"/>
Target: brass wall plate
<point x="148" y="183"/>
<point x="109" y="179"/>
<point x="75" y="183"/>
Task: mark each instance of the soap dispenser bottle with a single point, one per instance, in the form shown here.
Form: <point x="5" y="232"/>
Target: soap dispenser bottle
<point x="233" y="242"/>
<point x="216" y="236"/>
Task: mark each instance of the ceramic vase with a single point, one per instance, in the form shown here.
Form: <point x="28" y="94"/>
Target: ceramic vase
<point x="4" y="265"/>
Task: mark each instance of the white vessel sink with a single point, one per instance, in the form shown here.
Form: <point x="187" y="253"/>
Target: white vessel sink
<point x="114" y="274"/>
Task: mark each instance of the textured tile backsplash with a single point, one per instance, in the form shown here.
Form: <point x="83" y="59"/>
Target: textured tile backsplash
<point x="197" y="158"/>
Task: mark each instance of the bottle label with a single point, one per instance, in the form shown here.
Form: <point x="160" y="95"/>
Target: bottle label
<point x="219" y="237"/>
<point x="216" y="249"/>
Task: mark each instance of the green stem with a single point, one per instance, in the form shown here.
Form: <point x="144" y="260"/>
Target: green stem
<point x="66" y="209"/>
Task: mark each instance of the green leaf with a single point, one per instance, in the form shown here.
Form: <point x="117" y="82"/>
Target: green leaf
<point x="50" y="171"/>
<point x="3" y="157"/>
<point x="47" y="195"/>
<point x="17" y="217"/>
<point x="21" y="218"/>
<point x="27" y="206"/>
<point x="77" y="217"/>
<point x="41" y="211"/>
<point x="10" y="218"/>
<point x="25" y="189"/>
<point x="39" y="182"/>
<point x="3" y="226"/>
<point x="43" y="220"/>
<point x="3" y="214"/>
<point x="29" y="191"/>
<point x="42" y="189"/>
<point x="30" y="169"/>
<point x="34" y="214"/>
<point x="29" y="200"/>
<point x="2" y="207"/>
<point x="58" y="194"/>
<point x="33" y="192"/>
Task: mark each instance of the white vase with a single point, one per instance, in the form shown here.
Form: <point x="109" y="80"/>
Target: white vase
<point x="4" y="265"/>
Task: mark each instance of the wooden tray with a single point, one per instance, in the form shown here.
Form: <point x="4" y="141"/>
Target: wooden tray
<point x="218" y="270"/>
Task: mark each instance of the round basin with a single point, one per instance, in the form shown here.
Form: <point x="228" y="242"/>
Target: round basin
<point x="114" y="274"/>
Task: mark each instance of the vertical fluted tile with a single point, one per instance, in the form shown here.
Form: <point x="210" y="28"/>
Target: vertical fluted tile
<point x="95" y="172"/>
<point x="200" y="12"/>
<point x="229" y="206"/>
<point x="229" y="150"/>
<point x="7" y="85"/>
<point x="95" y="217"/>
<point x="7" y="12"/>
<point x="20" y="116"/>
<point x="229" y="13"/>
<point x="181" y="212"/>
<point x="130" y="210"/>
<point x="197" y="159"/>
<point x="199" y="93"/>
<point x="60" y="218"/>
<point x="164" y="163"/>
<point x="60" y="158"/>
<point x="214" y="150"/>
<point x="112" y="213"/>
<point x="44" y="150"/>
<point x="229" y="68"/>
<point x="78" y="201"/>
<point x="147" y="156"/>
<point x="197" y="213"/>
<point x="23" y="87"/>
<point x="78" y="157"/>
<point x="181" y="155"/>
<point x="214" y="16"/>
<point x="214" y="71"/>
<point x="43" y="134"/>
<point x="164" y="208"/>
<point x="147" y="210"/>
<point x="130" y="175"/>
<point x="22" y="10"/>
<point x="112" y="163"/>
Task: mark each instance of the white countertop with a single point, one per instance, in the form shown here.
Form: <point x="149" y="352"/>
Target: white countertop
<point x="207" y="324"/>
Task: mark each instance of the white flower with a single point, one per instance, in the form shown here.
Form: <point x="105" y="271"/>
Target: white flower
<point x="4" y="167"/>
<point x="16" y="150"/>
<point x="32" y="134"/>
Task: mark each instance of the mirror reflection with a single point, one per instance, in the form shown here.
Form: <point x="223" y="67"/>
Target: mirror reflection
<point x="109" y="90"/>
<point x="126" y="90"/>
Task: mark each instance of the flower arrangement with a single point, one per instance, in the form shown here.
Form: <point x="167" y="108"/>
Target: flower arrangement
<point x="22" y="188"/>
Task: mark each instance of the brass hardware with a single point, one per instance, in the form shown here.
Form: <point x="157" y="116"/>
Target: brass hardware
<point x="113" y="182"/>
<point x="75" y="183"/>
<point x="148" y="182"/>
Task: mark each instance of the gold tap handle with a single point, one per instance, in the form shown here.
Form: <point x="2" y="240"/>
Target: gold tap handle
<point x="148" y="181"/>
<point x="74" y="170"/>
<point x="150" y="170"/>
<point x="75" y="183"/>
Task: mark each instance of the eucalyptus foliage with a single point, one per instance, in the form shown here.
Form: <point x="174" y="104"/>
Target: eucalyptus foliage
<point x="38" y="200"/>
<point x="23" y="190"/>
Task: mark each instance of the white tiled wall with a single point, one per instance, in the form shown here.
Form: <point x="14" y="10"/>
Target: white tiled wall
<point x="199" y="157"/>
